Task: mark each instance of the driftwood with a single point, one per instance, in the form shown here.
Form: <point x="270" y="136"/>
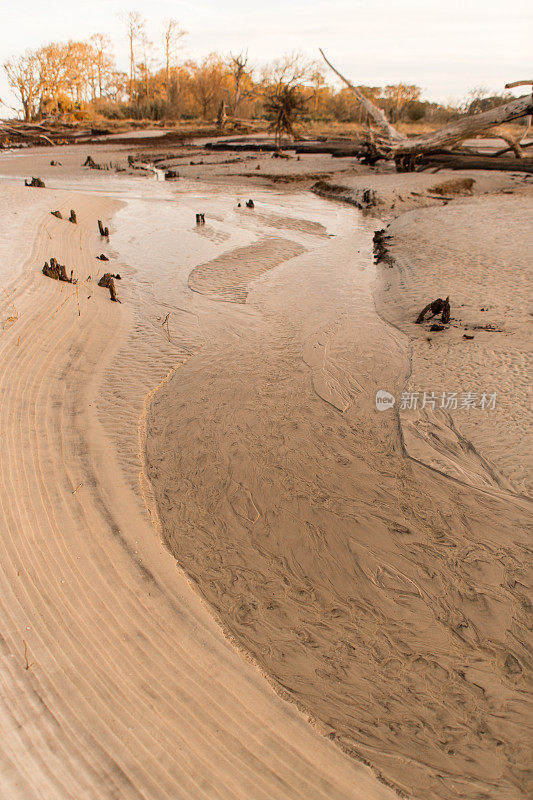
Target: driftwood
<point x="103" y="231"/>
<point x="90" y="162"/>
<point x="529" y="118"/>
<point x="200" y="219"/>
<point x="55" y="163"/>
<point x="389" y="143"/>
<point x="57" y="214"/>
<point x="58" y="271"/>
<point x="438" y="306"/>
<point x="37" y="182"/>
<point x="171" y="173"/>
<point x="381" y="250"/>
<point x="452" y="161"/>
<point x="250" y="203"/>
<point x="108" y="281"/>
<point x="102" y="257"/>
<point x="72" y="217"/>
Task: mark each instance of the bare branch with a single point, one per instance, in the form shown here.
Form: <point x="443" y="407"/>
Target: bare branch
<point x="375" y="113"/>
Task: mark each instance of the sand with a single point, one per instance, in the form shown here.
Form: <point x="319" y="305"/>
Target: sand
<point x="132" y="690"/>
<point x="383" y="595"/>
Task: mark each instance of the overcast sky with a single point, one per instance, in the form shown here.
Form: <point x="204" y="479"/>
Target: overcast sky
<point x="446" y="47"/>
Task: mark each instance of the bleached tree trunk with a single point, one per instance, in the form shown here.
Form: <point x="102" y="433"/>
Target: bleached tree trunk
<point x="390" y="143"/>
<point x="375" y="113"/>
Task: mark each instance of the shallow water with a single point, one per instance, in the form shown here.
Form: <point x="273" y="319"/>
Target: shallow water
<point x="378" y="594"/>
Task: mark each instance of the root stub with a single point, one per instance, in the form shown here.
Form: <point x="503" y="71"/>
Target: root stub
<point x="36" y="182"/>
<point x="104" y="231"/>
<point x="381" y="249"/>
<point x="438" y="306"/>
<point x="108" y="281"/>
<point x="58" y="271"/>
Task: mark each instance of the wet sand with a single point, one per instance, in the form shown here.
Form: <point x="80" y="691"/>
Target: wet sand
<point x="384" y="598"/>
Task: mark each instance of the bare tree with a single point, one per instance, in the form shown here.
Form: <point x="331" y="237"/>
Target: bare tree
<point x="24" y="78"/>
<point x="237" y="66"/>
<point x="103" y="59"/>
<point x="135" y="28"/>
<point x="285" y="98"/>
<point x="172" y="33"/>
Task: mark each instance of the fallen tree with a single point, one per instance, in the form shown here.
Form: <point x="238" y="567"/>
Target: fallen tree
<point x="387" y="142"/>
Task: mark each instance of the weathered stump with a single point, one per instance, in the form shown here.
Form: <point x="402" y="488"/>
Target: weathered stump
<point x="36" y="182"/>
<point x="58" y="271"/>
<point x="108" y="281"/>
<point x="438" y="306"/>
<point x="103" y="231"/>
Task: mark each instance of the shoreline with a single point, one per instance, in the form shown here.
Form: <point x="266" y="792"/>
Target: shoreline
<point x="416" y="226"/>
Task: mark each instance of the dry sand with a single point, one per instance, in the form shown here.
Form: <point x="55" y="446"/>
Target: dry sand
<point x="387" y="599"/>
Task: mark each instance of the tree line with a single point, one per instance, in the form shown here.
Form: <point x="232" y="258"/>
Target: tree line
<point x="81" y="78"/>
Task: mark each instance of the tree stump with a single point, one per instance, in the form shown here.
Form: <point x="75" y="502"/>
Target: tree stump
<point x="58" y="271"/>
<point x="438" y="306"/>
<point x="108" y="282"/>
<point x="72" y="217"/>
<point x="103" y="231"/>
<point x="36" y="182"/>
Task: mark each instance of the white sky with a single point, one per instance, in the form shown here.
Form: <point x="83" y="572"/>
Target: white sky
<point x="445" y="46"/>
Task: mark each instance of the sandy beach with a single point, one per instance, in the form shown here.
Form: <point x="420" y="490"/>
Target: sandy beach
<point x="224" y="572"/>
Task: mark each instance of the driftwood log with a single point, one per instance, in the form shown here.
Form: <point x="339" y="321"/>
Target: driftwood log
<point x="58" y="271"/>
<point x="459" y="161"/>
<point x="387" y="142"/>
<point x="108" y="281"/>
<point x="438" y="306"/>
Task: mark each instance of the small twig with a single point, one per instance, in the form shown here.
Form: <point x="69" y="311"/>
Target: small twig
<point x="77" y="487"/>
<point x="165" y="322"/>
<point x="28" y="665"/>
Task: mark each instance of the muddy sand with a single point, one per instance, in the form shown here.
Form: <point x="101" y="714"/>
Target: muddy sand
<point x="205" y="516"/>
